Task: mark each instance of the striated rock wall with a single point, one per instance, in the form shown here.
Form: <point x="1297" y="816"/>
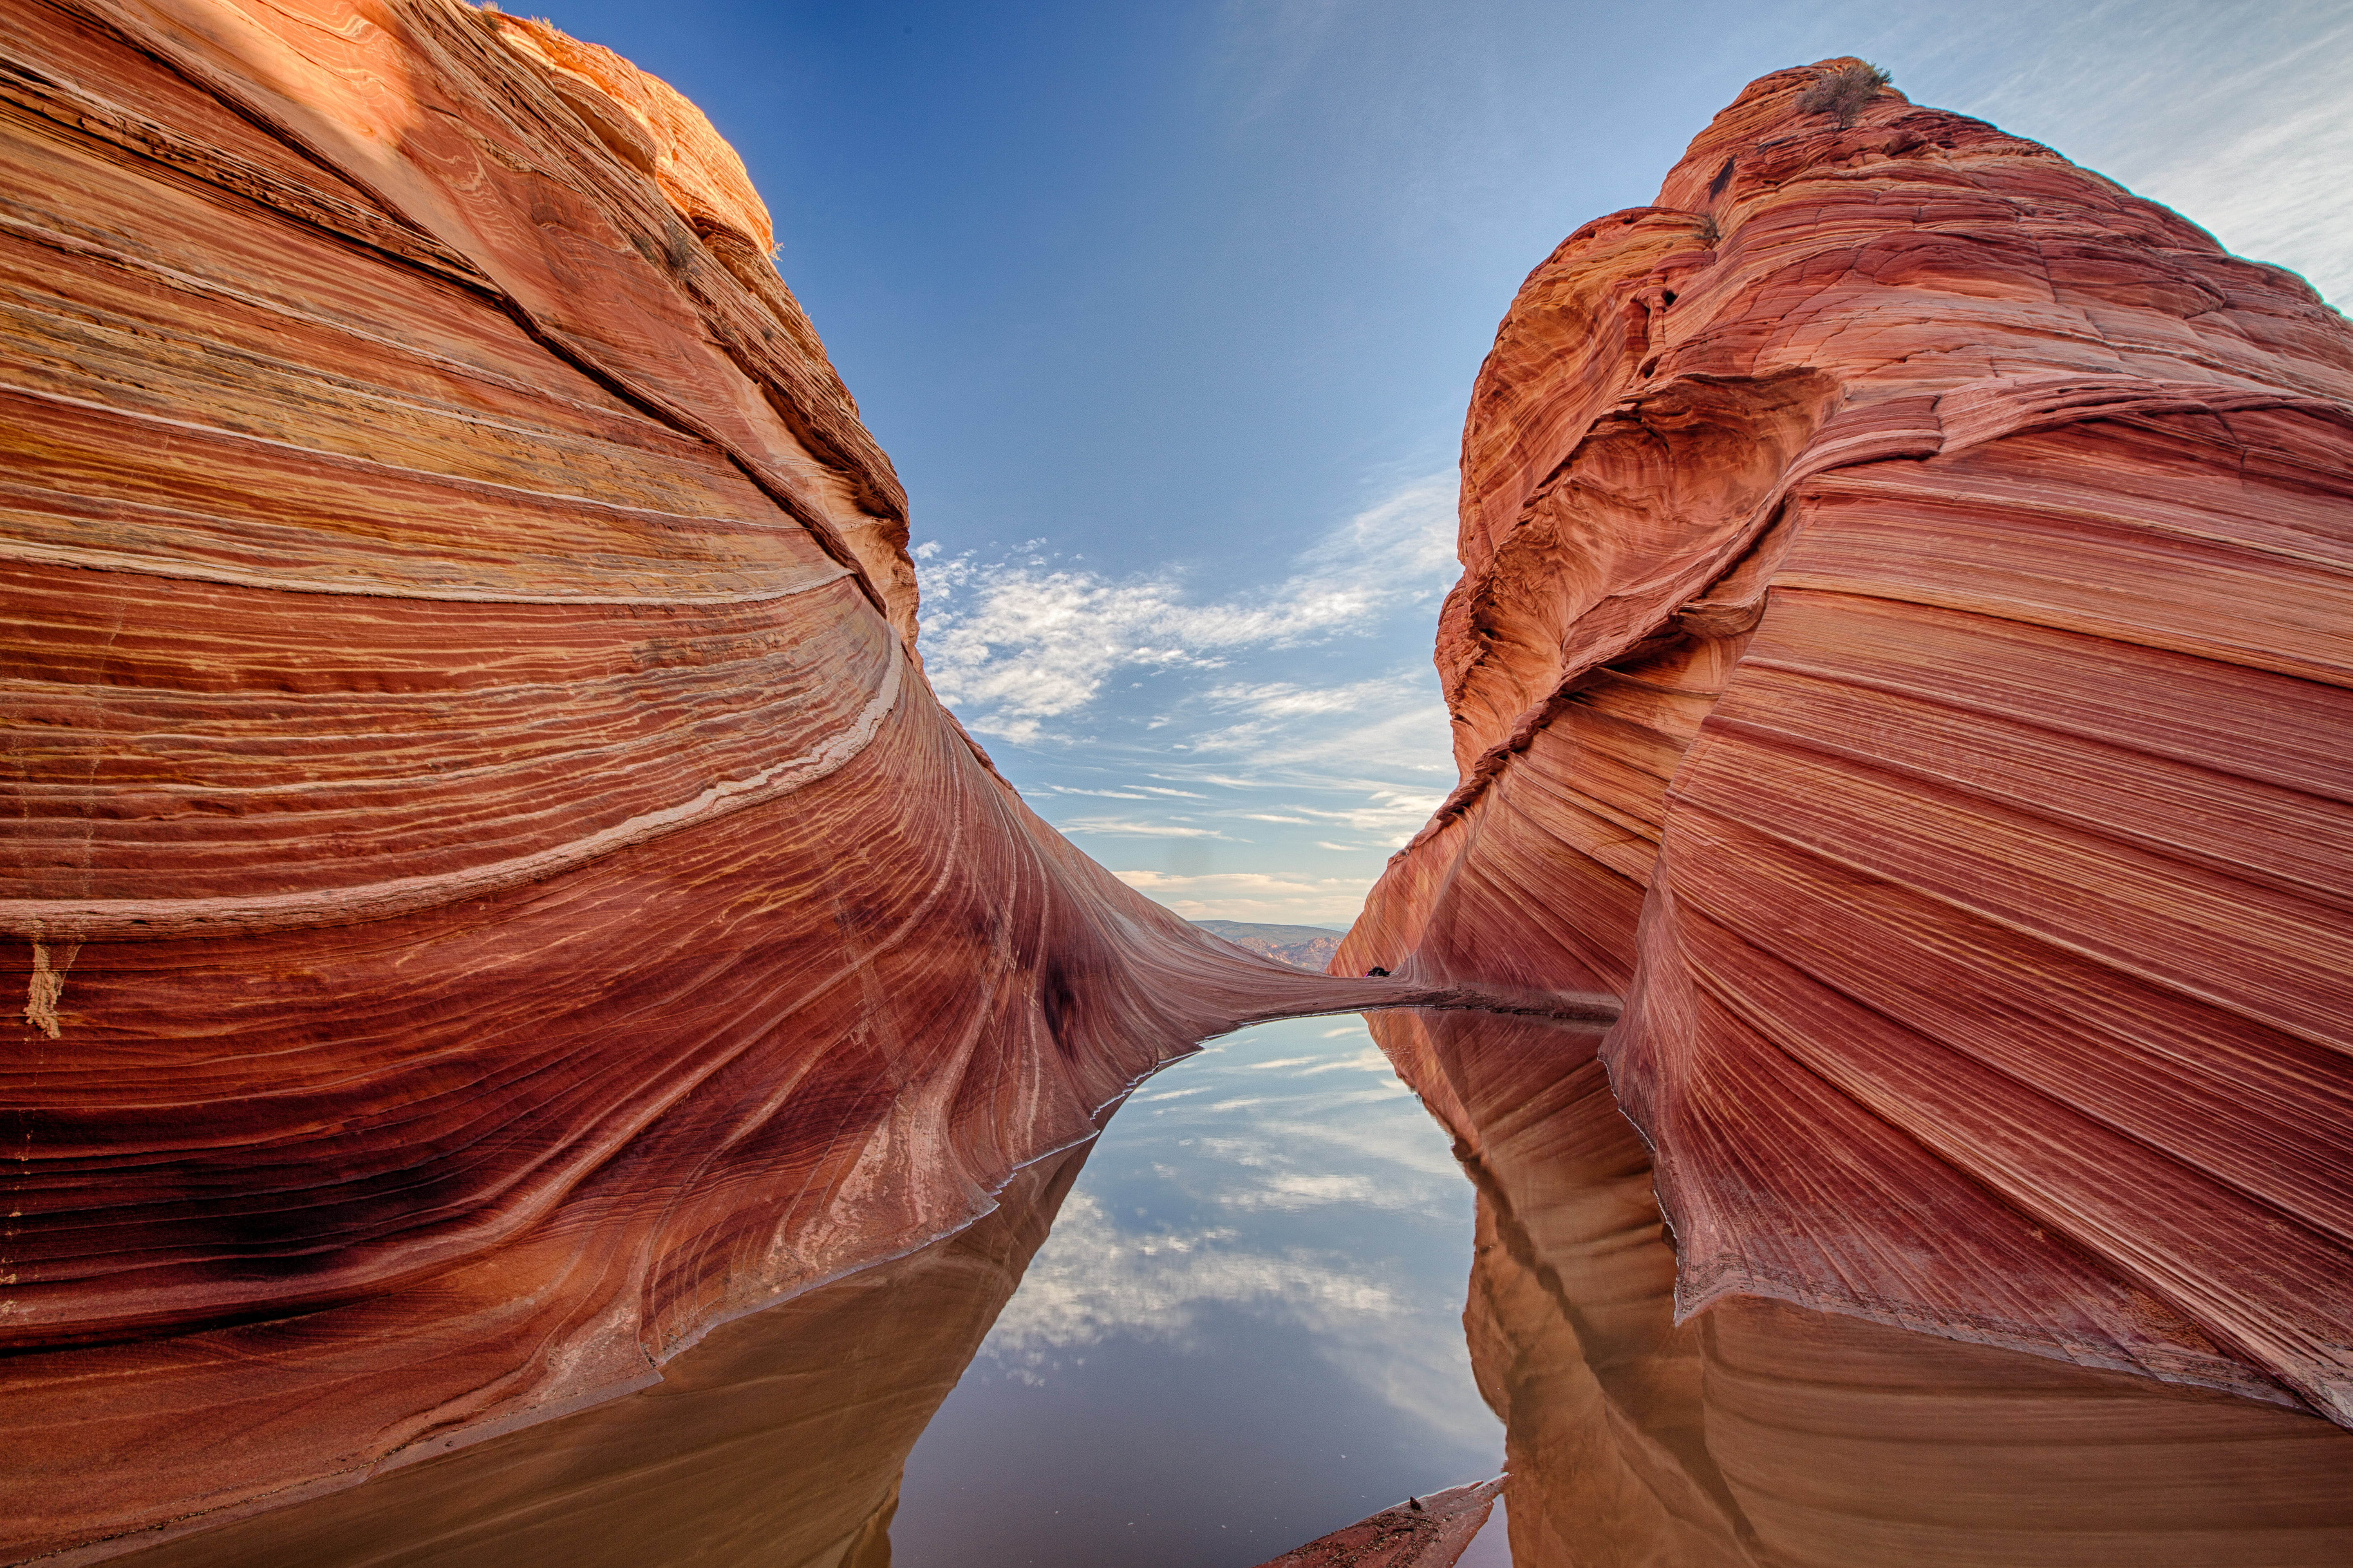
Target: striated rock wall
<point x="1902" y="651"/>
<point x="777" y="1440"/>
<point x="489" y="893"/>
<point x="1758" y="1435"/>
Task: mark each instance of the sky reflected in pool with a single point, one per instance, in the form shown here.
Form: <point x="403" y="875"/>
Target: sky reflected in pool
<point x="1245" y="1330"/>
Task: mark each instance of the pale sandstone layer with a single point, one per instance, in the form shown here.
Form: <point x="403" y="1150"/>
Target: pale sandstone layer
<point x="491" y="896"/>
<point x="1903" y="650"/>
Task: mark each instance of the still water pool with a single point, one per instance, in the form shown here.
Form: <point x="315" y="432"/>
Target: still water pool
<point x="1244" y="1330"/>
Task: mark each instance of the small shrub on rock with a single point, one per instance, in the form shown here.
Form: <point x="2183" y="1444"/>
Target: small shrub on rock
<point x="1843" y="92"/>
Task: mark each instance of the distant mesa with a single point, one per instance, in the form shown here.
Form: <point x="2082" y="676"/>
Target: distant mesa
<point x="1301" y="947"/>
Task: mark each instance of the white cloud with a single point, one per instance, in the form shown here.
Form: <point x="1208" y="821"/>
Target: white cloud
<point x="1218" y="1238"/>
<point x="1094" y="1281"/>
<point x="1317" y="687"/>
<point x="1390" y="809"/>
<point x="1398" y="721"/>
<point x="1272" y="898"/>
<point x="1284" y="700"/>
<point x="2232" y="115"/>
<point x="1293" y="1189"/>
<point x="1015" y="644"/>
<point x="1369" y="1059"/>
<point x="1121" y="827"/>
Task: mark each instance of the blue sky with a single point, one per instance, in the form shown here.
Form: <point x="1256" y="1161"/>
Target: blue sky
<point x="1167" y="314"/>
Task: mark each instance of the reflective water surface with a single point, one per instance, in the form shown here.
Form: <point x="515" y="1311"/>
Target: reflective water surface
<point x="1255" y="1319"/>
<point x="1244" y="1330"/>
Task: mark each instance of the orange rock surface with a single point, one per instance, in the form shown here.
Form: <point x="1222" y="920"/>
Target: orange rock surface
<point x="1903" y="651"/>
<point x="491" y="895"/>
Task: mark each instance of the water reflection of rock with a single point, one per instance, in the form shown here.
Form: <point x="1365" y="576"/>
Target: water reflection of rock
<point x="777" y="1440"/>
<point x="1420" y="1532"/>
<point x="1758" y="1433"/>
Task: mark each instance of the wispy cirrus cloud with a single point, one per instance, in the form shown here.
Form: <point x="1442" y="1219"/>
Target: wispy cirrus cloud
<point x="1274" y="897"/>
<point x="1203" y="1240"/>
<point x="1291" y="731"/>
<point x="1019" y="644"/>
<point x="1127" y="827"/>
<point x="1138" y="792"/>
<point x="1287" y="700"/>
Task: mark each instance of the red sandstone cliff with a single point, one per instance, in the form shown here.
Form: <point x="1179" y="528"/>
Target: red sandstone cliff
<point x="778" y="1439"/>
<point x="1420" y="1533"/>
<point x="491" y="895"/>
<point x="1901" y="649"/>
<point x="1758" y="1435"/>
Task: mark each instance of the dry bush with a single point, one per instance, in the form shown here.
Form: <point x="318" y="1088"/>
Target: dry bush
<point x="1843" y="92"/>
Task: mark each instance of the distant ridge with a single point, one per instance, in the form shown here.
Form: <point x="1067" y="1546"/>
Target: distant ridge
<point x="1301" y="947"/>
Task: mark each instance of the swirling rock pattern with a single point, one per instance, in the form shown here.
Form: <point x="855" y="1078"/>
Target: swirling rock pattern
<point x="491" y="892"/>
<point x="777" y="1440"/>
<point x="1901" y="649"/>
<point x="1759" y="1434"/>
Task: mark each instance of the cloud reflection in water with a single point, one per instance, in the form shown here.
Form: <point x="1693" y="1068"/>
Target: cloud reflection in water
<point x="1245" y="1325"/>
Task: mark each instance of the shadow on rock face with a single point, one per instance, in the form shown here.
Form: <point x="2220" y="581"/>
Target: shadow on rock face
<point x="777" y="1440"/>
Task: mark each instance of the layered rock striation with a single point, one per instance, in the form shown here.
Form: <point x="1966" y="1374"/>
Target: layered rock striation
<point x="1758" y="1435"/>
<point x="1902" y="651"/>
<point x="490" y="894"/>
<point x="777" y="1439"/>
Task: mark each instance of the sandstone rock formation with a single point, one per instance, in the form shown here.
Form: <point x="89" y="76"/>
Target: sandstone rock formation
<point x="1758" y="1435"/>
<point x="491" y="895"/>
<point x="1301" y="947"/>
<point x="1420" y="1533"/>
<point x="778" y="1439"/>
<point x="1901" y="649"/>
